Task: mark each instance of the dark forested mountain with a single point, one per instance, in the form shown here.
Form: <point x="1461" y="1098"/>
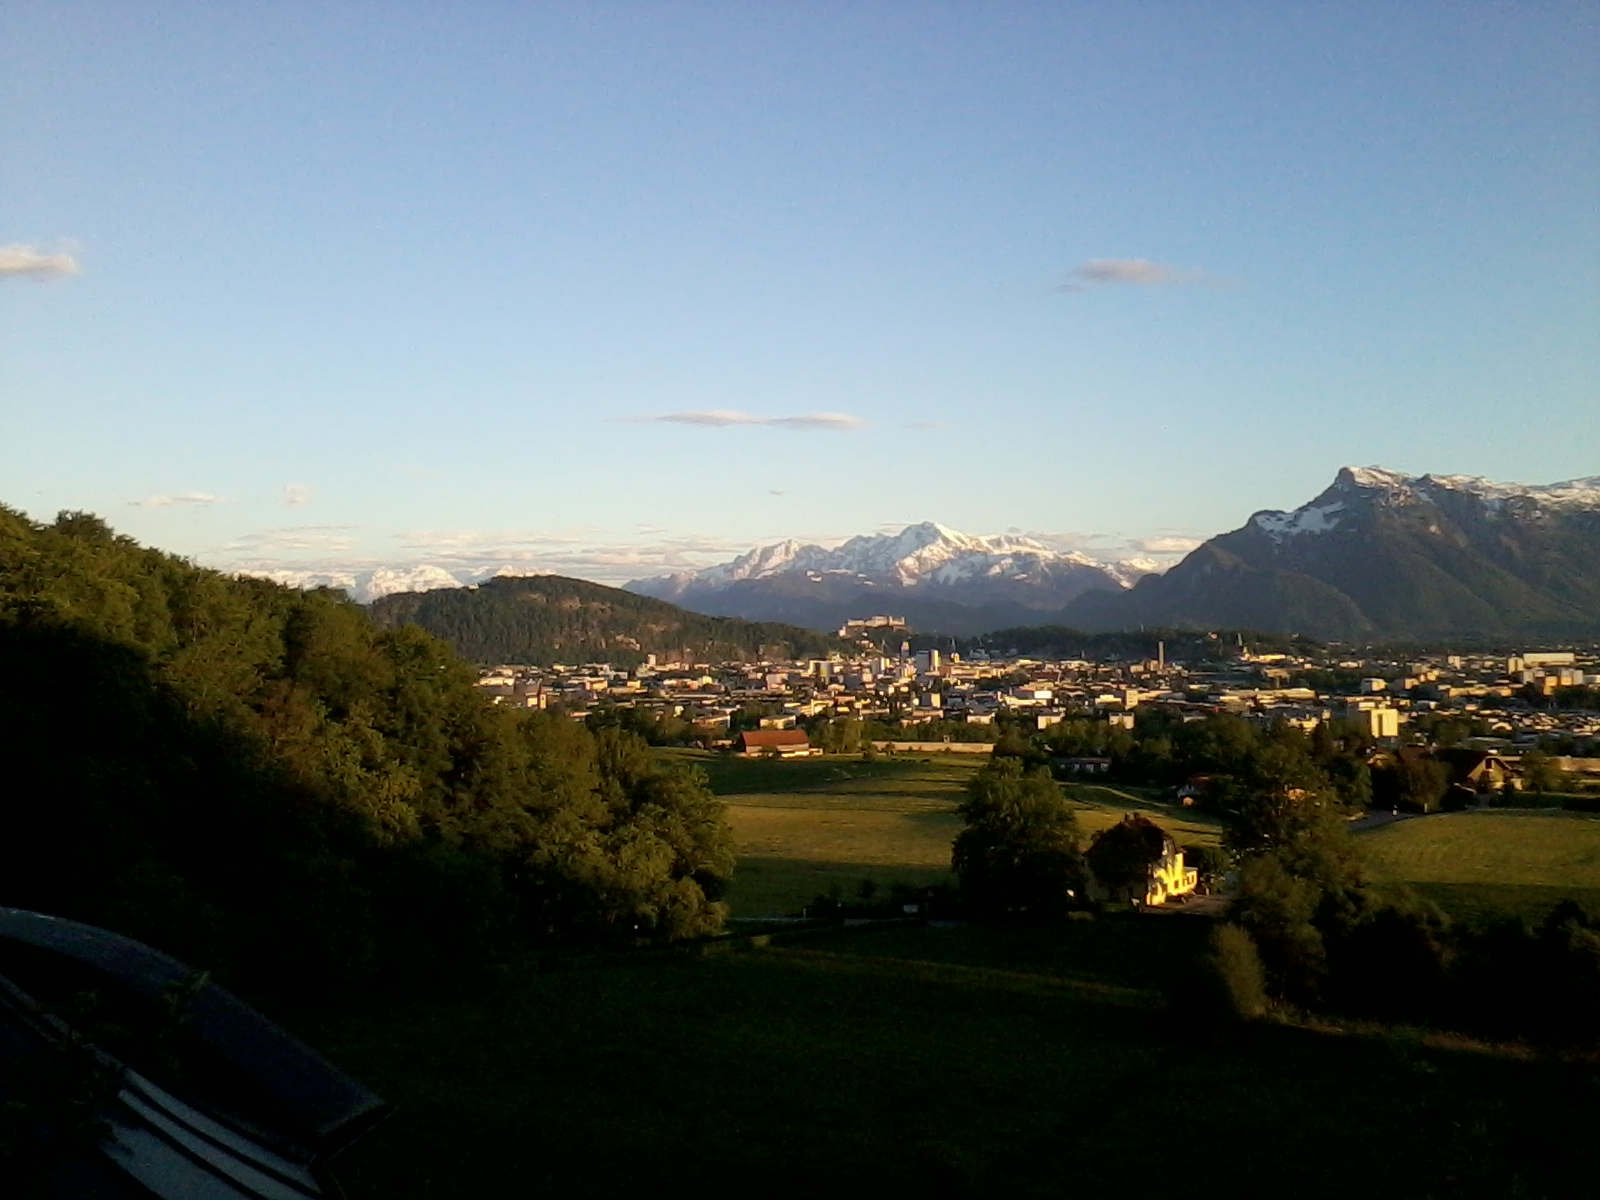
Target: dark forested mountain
<point x="1380" y="554"/>
<point x="549" y="618"/>
<point x="263" y="780"/>
<point x="935" y="577"/>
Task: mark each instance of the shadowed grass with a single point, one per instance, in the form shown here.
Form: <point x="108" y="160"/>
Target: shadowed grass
<point x="912" y="1061"/>
<point x="768" y="886"/>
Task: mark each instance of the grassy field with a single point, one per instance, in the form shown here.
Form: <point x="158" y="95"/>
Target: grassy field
<point x="809" y="826"/>
<point x="938" y="1062"/>
<point x="1099" y="807"/>
<point x="1481" y="863"/>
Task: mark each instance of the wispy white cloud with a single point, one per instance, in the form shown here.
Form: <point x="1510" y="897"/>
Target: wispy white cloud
<point x="1166" y="544"/>
<point x="295" y="539"/>
<point x="23" y="261"/>
<point x="587" y="553"/>
<point x="297" y="495"/>
<point x="1057" y="540"/>
<point x="187" y="499"/>
<point x="1159" y="550"/>
<point x="1136" y="272"/>
<point x="717" y="418"/>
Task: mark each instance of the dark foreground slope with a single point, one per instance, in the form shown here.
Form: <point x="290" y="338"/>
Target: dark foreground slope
<point x="933" y="1063"/>
<point x="1382" y="555"/>
<point x="543" y="619"/>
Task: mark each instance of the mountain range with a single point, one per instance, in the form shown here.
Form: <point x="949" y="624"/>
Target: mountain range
<point x="936" y="578"/>
<point x="1379" y="554"/>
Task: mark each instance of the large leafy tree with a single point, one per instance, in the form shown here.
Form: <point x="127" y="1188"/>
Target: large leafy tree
<point x="1019" y="853"/>
<point x="1121" y="857"/>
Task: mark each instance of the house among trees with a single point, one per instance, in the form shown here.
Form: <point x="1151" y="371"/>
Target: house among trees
<point x="782" y="743"/>
<point x="1137" y="862"/>
<point x="1424" y="778"/>
<point x="1477" y="772"/>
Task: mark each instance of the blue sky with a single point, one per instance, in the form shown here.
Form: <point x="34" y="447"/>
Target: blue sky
<point x="387" y="283"/>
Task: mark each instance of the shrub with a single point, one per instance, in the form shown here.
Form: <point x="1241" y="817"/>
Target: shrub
<point x="1277" y="905"/>
<point x="1228" y="984"/>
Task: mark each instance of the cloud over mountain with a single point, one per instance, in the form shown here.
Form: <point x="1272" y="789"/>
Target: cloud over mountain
<point x="1166" y="544"/>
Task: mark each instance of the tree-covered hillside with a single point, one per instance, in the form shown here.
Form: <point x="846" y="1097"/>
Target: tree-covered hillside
<point x="544" y="619"/>
<point x="263" y="780"/>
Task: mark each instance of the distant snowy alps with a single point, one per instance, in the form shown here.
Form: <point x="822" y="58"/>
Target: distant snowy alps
<point x="925" y="553"/>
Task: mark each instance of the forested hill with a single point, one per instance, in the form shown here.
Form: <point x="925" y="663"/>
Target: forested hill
<point x="542" y="619"/>
<point x="261" y="780"/>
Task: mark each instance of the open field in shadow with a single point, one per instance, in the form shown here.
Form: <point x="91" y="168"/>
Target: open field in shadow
<point x="944" y="1062"/>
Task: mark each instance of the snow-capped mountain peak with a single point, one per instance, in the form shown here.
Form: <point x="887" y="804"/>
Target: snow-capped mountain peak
<point x="1358" y="485"/>
<point x="926" y="553"/>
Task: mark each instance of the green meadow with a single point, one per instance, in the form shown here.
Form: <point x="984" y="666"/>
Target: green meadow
<point x="809" y="826"/>
<point x="806" y="827"/>
<point x="1099" y="807"/>
<point x="1482" y="863"/>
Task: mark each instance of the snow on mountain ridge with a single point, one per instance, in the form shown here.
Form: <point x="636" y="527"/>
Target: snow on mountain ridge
<point x="365" y="586"/>
<point x="1326" y="512"/>
<point x="1581" y="493"/>
<point x="1308" y="518"/>
<point x="924" y="553"/>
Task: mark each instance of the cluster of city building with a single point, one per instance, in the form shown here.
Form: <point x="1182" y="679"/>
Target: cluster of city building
<point x="907" y="690"/>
